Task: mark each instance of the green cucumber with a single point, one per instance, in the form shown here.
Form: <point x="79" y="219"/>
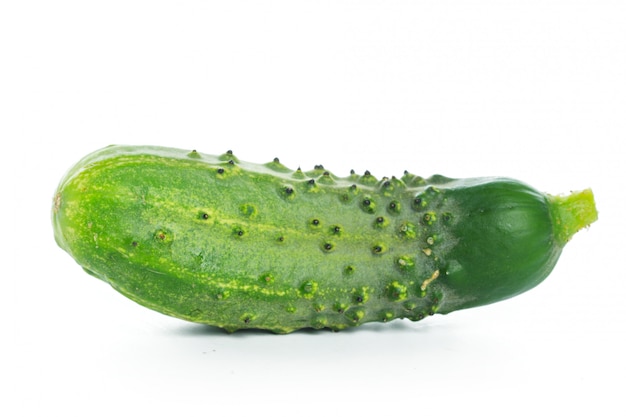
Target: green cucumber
<point x="215" y="240"/>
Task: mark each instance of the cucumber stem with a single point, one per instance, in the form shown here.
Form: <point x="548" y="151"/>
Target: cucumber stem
<point x="571" y="213"/>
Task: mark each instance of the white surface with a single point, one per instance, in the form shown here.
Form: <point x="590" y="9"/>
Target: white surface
<point x="533" y="90"/>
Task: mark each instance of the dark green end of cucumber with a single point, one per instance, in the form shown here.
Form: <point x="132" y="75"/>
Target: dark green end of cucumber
<point x="484" y="267"/>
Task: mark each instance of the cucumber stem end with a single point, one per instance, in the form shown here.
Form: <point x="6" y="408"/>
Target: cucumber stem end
<point x="572" y="212"/>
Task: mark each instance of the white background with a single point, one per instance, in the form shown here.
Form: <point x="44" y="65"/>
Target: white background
<point x="529" y="89"/>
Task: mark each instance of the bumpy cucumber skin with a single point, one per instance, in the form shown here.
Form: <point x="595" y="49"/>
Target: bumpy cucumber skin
<point x="236" y="245"/>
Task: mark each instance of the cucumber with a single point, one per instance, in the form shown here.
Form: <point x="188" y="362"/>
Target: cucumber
<point x="215" y="240"/>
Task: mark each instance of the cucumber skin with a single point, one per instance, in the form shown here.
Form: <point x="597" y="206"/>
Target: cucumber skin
<point x="214" y="240"/>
